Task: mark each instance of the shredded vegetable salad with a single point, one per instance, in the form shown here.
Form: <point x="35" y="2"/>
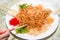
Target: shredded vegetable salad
<point x="34" y="16"/>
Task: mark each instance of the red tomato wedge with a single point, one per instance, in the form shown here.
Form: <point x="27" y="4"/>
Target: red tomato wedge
<point x="14" y="21"/>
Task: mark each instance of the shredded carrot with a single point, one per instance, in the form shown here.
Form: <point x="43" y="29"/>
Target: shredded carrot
<point x="34" y="17"/>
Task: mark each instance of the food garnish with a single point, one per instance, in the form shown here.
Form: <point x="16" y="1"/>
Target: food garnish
<point x="22" y="6"/>
<point x="14" y="21"/>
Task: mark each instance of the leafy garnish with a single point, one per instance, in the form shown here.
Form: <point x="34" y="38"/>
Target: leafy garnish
<point x="22" y="6"/>
<point x="21" y="30"/>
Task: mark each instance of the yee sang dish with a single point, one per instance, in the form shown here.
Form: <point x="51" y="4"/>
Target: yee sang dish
<point x="36" y="18"/>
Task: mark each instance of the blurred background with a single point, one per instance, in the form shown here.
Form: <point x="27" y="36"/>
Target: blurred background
<point x="9" y="3"/>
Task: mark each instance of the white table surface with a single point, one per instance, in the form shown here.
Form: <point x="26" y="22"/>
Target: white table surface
<point x="8" y="3"/>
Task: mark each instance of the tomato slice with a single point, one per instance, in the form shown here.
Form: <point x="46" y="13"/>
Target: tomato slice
<point x="14" y="21"/>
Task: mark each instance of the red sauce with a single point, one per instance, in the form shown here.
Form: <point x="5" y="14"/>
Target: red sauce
<point x="14" y="22"/>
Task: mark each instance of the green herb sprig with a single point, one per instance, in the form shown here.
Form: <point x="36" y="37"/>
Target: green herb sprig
<point x="21" y="30"/>
<point x="22" y="6"/>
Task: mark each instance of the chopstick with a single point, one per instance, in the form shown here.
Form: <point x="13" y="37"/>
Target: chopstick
<point x="18" y="27"/>
<point x="13" y="29"/>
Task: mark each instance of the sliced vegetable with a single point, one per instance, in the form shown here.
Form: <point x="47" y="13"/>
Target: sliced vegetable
<point x="21" y="30"/>
<point x="14" y="22"/>
<point x="22" y="6"/>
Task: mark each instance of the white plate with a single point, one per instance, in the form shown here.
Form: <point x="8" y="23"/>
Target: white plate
<point x="50" y="30"/>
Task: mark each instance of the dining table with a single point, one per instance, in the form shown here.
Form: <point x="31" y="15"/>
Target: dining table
<point x="9" y="3"/>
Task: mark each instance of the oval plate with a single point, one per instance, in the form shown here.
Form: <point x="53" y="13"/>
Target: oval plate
<point x="50" y="30"/>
